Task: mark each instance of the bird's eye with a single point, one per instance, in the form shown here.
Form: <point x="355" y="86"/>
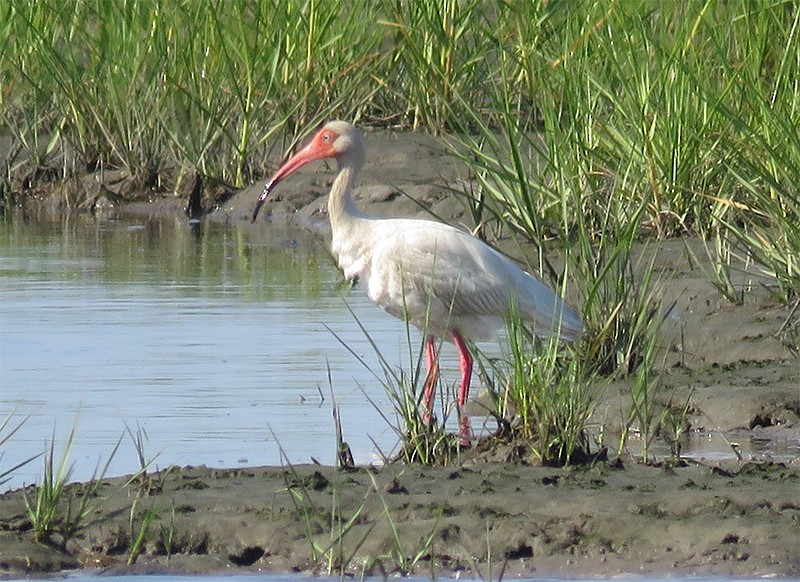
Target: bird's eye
<point x="326" y="136"/>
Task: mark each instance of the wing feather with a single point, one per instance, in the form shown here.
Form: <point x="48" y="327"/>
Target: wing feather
<point x="445" y="272"/>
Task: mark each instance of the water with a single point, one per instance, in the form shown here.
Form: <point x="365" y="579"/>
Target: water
<point x="204" y="338"/>
<point x="213" y="342"/>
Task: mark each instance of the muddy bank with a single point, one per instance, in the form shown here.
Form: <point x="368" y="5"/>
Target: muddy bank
<point x="474" y="519"/>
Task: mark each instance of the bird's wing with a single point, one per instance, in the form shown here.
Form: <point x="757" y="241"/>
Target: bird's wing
<point x="439" y="260"/>
<point x="465" y="274"/>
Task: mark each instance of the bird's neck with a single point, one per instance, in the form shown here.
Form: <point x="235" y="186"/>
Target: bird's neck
<point x="351" y="228"/>
<point x="342" y="208"/>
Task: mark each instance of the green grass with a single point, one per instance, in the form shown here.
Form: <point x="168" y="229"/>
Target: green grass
<point x="588" y="127"/>
<point x="140" y="531"/>
<point x="551" y="396"/>
<point x="144" y="482"/>
<point x="427" y="443"/>
<point x="334" y="539"/>
<point x="661" y="95"/>
<point x="58" y="508"/>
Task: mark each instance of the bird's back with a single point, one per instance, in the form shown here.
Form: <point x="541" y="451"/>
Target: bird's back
<point x="444" y="279"/>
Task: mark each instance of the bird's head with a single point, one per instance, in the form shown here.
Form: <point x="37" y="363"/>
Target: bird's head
<point x="337" y="139"/>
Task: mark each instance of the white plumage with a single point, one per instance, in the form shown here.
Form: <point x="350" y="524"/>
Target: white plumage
<point x="445" y="281"/>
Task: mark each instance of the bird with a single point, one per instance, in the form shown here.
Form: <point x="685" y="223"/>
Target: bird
<point x="445" y="281"/>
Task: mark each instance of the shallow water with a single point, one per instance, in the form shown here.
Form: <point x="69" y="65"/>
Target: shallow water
<point x="209" y="338"/>
<point x="211" y="342"/>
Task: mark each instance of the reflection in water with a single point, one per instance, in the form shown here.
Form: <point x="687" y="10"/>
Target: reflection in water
<point x="209" y="337"/>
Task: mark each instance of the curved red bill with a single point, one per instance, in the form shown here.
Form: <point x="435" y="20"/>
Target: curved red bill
<point x="320" y="147"/>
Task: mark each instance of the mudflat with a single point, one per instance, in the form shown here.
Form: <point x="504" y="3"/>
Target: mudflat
<point x="476" y="519"/>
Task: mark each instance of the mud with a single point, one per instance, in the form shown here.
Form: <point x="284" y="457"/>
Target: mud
<point x="473" y="520"/>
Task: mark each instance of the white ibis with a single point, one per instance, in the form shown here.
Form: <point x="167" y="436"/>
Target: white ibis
<point x="445" y="281"/>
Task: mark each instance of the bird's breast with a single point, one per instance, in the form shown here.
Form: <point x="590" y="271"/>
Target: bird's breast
<point x="352" y="259"/>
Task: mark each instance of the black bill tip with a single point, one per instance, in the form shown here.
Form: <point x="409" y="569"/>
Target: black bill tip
<point x="261" y="200"/>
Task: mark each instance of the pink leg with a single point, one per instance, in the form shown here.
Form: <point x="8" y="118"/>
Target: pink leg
<point x="465" y="362"/>
<point x="431" y="378"/>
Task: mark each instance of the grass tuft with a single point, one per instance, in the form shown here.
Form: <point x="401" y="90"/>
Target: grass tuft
<point x="60" y="508"/>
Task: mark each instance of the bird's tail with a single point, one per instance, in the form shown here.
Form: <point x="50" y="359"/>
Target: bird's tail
<point x="568" y="323"/>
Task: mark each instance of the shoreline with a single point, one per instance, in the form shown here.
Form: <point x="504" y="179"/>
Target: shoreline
<point x="609" y="519"/>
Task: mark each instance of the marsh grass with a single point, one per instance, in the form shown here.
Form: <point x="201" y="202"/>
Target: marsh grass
<point x="140" y="528"/>
<point x="145" y="483"/>
<point x="44" y="511"/>
<point x="438" y="56"/>
<point x="153" y="88"/>
<point x="420" y="441"/>
<point x="342" y="537"/>
<point x="770" y="231"/>
<point x="167" y="534"/>
<point x="722" y="256"/>
<point x="58" y="507"/>
<point x="549" y="395"/>
<point x="643" y="405"/>
<point x="658" y="97"/>
<point x="674" y="423"/>
<point x="654" y="413"/>
<point x="336" y="531"/>
<point x="623" y="307"/>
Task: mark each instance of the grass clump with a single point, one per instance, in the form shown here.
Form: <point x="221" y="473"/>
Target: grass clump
<point x="421" y="440"/>
<point x="549" y="397"/>
<point x="140" y="531"/>
<point x="57" y="507"/>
